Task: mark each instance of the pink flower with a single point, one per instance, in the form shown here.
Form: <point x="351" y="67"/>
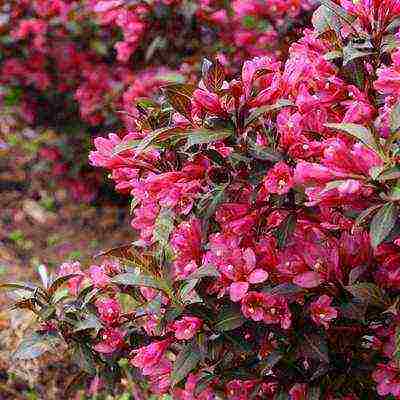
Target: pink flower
<point x="112" y="339"/>
<point x="279" y="179"/>
<point x="98" y="276"/>
<point x="208" y="102"/>
<point x="149" y="356"/>
<point x="271" y="309"/>
<point x="109" y="310"/>
<point x="253" y="306"/>
<point x="308" y="280"/>
<point x="298" y="392"/>
<point x="322" y="312"/>
<point x="186" y="327"/>
<point x="73" y="283"/>
<point x="387" y="377"/>
<point x="243" y="274"/>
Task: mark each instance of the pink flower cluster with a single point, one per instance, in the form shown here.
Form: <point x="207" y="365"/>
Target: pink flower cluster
<point x="266" y="209"/>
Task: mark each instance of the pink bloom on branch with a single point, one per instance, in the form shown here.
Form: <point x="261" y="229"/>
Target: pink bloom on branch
<point x="271" y="309"/>
<point x="186" y="327"/>
<point x="98" y="276"/>
<point x="74" y="284"/>
<point x="308" y="280"/>
<point x="112" y="339"/>
<point x="322" y="313"/>
<point x="148" y="356"/>
<point x="387" y="377"/>
<point x="279" y="179"/>
<point x="109" y="310"/>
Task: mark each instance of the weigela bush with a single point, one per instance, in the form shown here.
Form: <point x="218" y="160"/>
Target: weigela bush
<point x="85" y="64"/>
<point x="267" y="263"/>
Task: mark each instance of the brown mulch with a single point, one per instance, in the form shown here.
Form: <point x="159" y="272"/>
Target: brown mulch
<point x="40" y="224"/>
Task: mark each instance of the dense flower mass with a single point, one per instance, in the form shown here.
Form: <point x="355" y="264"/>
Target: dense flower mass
<point x="266" y="206"/>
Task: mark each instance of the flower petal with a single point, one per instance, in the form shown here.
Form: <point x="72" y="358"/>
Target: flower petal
<point x="258" y="276"/>
<point x="237" y="290"/>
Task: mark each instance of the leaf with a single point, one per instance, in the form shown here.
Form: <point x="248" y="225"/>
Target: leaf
<point x="186" y="361"/>
<point x="135" y="279"/>
<point x="362" y="218"/>
<point x="44" y="275"/>
<point x="203" y="136"/>
<point x="17" y="286"/>
<point x="355" y="273"/>
<point x="322" y="19"/>
<point x="25" y="304"/>
<point x="204" y="271"/>
<point x="360" y="132"/>
<point x="355" y="310"/>
<point x="180" y="97"/>
<point x="126" y="145"/>
<point x="90" y="322"/>
<point x="390" y="174"/>
<point x="56" y="284"/>
<point x="314" y="393"/>
<point x="339" y="11"/>
<point x="369" y="293"/>
<point x="350" y="53"/>
<point x="315" y="346"/>
<point x="395" y="118"/>
<point x="382" y="223"/>
<point x="229" y="318"/>
<point x="84" y="358"/>
<point x="256" y="114"/>
<point x="285" y="229"/>
<point x="264" y="153"/>
<point x="164" y="226"/>
<point x="214" y="77"/>
<point x="273" y="358"/>
<point x="34" y="346"/>
<point x="397" y="346"/>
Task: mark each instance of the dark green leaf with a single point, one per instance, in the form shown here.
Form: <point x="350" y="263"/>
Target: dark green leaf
<point x="83" y="356"/>
<point x="368" y="293"/>
<point x="264" y="153"/>
<point x="205" y="136"/>
<point x="186" y="361"/>
<point x="136" y="279"/>
<point x="359" y="132"/>
<point x="90" y="322"/>
<point x="365" y="215"/>
<point x="397" y="346"/>
<point x="60" y="281"/>
<point x="127" y="145"/>
<point x="395" y="118"/>
<point x="390" y="174"/>
<point x="314" y="393"/>
<point x="229" y="318"/>
<point x="17" y="286"/>
<point x="285" y="230"/>
<point x="259" y="112"/>
<point x="382" y="223"/>
<point x="204" y="271"/>
<point x="355" y="310"/>
<point x="315" y="346"/>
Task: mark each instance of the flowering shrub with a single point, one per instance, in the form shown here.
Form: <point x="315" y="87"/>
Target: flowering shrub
<point x="267" y="263"/>
<point x="79" y="64"/>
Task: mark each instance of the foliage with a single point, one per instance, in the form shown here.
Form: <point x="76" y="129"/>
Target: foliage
<point x="267" y="210"/>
